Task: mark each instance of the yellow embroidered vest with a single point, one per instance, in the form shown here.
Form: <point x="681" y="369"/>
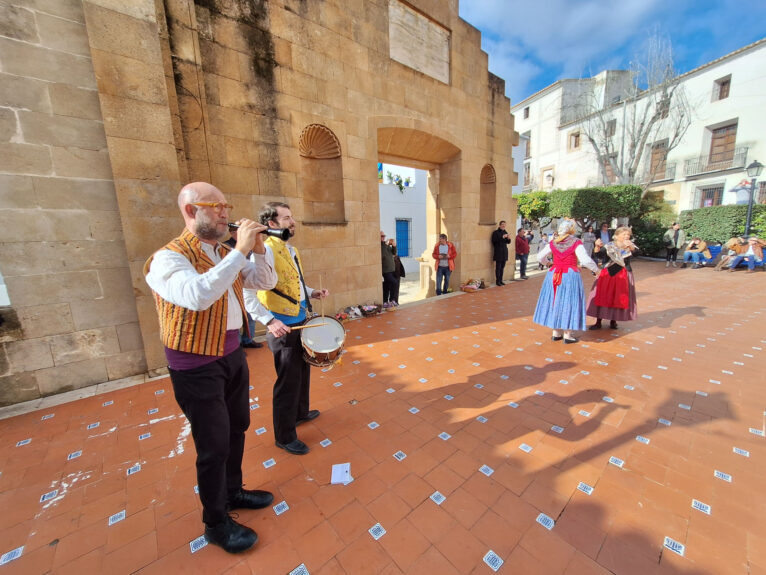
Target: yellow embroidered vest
<point x="201" y="332"/>
<point x="289" y="282"/>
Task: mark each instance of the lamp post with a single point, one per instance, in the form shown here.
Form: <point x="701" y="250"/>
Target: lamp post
<point x="753" y="171"/>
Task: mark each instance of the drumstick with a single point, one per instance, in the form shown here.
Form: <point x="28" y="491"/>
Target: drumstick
<point x="321" y="300"/>
<point x="305" y="326"/>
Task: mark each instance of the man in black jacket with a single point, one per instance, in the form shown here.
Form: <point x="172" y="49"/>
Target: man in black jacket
<point x="500" y="241"/>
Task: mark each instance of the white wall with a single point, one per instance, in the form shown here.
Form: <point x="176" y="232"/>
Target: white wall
<point x="410" y="204"/>
<point x="746" y="104"/>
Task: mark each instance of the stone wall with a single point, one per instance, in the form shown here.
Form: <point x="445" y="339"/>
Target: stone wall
<point x="73" y="319"/>
<point x="130" y="99"/>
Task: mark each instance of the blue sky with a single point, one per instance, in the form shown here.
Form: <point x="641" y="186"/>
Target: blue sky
<point x="533" y="43"/>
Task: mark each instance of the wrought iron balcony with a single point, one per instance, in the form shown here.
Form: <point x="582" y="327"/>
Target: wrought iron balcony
<point x="669" y="173"/>
<point x="716" y="162"/>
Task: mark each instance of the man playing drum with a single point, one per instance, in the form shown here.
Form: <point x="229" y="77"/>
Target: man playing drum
<point x="280" y="309"/>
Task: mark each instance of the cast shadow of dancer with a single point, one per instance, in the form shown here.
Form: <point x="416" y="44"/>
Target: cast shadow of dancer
<point x="670" y="411"/>
<point x="660" y="318"/>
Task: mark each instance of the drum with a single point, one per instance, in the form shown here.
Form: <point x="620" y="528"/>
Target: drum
<point x="322" y="344"/>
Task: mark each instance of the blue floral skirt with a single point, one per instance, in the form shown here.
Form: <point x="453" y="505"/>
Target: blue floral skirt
<point x="567" y="310"/>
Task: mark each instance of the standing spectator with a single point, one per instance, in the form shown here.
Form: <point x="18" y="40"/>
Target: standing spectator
<point x="444" y="253"/>
<point x="695" y="252"/>
<point x="753" y="254"/>
<point x="561" y="305"/>
<point x="398" y="274"/>
<point x="387" y="253"/>
<point x="522" y="252"/>
<point x="674" y="239"/>
<point x="605" y="236"/>
<point x="589" y="241"/>
<point x="500" y="241"/>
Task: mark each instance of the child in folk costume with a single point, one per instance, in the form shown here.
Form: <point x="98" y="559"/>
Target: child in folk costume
<point x="561" y="305"/>
<point x="613" y="295"/>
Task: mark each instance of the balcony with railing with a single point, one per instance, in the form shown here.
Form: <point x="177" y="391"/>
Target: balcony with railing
<point x="716" y="162"/>
<point x="659" y="174"/>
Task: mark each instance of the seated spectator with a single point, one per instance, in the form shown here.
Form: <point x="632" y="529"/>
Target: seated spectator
<point x="695" y="252"/>
<point x="734" y="247"/>
<point x="753" y="254"/>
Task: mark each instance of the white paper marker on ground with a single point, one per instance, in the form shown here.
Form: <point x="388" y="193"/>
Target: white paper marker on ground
<point x="341" y="474"/>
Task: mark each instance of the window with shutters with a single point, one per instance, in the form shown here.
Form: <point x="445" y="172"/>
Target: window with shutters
<point x="761" y="199"/>
<point x="658" y="162"/>
<point x="574" y="141"/>
<point x="611" y="128"/>
<point x="722" y="147"/>
<point x="721" y="88"/>
<point x="527" y="172"/>
<point x="527" y="136"/>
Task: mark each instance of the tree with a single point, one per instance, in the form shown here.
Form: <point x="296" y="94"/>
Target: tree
<point x="588" y="206"/>
<point x="535" y="207"/>
<point x="642" y="122"/>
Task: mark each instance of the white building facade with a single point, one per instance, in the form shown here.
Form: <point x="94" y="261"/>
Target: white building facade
<point x="403" y="213"/>
<point x="727" y="98"/>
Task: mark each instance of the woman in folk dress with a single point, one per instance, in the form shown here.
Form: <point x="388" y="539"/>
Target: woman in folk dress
<point x="613" y="295"/>
<point x="561" y="305"/>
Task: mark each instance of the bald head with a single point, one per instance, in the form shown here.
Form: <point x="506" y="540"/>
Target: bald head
<point x="205" y="222"/>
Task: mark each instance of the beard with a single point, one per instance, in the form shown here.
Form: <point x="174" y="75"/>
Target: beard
<point x="208" y="229"/>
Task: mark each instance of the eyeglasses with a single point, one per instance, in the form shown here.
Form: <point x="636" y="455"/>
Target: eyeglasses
<point x="217" y="206"/>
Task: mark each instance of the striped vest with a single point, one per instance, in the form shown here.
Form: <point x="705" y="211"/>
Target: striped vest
<point x="289" y="282"/>
<point x="201" y="332"/>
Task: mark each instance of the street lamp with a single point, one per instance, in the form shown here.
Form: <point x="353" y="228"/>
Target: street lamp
<point x="753" y="171"/>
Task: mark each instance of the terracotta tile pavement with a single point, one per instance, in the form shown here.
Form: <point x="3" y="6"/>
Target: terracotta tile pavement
<point x="652" y="431"/>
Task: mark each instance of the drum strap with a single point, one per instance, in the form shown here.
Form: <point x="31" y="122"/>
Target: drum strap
<point x="305" y="290"/>
<point x="284" y="295"/>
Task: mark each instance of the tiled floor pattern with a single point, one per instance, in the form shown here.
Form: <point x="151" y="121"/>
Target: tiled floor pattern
<point x="639" y="451"/>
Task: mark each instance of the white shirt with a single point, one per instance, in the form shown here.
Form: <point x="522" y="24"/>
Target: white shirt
<point x="582" y="256"/>
<point x="172" y="276"/>
<point x="254" y="306"/>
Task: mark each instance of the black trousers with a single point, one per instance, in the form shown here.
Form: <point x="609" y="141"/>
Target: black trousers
<point x="291" y="389"/>
<point x="499" y="269"/>
<point x="215" y="400"/>
<point x="672" y="254"/>
<point x="389" y="286"/>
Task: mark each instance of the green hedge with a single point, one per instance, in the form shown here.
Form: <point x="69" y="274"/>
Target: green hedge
<point x="719" y="223"/>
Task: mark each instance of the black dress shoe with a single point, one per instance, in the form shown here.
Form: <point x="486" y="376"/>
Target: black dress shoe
<point x="250" y="499"/>
<point x="253" y="345"/>
<point x="595" y="326"/>
<point x="557" y="337"/>
<point x="612" y="324"/>
<point x="573" y="340"/>
<point x="310" y="414"/>
<point x="296" y="447"/>
<point x="231" y="536"/>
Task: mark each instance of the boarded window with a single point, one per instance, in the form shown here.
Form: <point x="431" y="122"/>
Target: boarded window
<point x="487" y="190"/>
<point x="321" y="175"/>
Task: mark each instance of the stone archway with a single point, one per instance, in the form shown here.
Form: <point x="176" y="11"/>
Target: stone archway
<point x="420" y="145"/>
